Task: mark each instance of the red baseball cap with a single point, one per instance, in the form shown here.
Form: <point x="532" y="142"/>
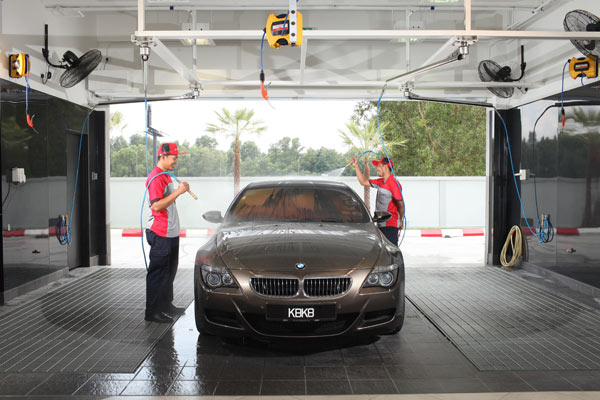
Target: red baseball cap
<point x="168" y="149"/>
<point x="384" y="161"/>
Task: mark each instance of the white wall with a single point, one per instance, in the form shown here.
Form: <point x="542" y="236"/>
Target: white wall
<point x="431" y="202"/>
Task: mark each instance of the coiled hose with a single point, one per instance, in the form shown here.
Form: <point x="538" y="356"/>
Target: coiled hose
<point x="515" y="239"/>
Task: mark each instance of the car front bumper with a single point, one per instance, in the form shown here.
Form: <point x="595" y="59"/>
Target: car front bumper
<point x="242" y="312"/>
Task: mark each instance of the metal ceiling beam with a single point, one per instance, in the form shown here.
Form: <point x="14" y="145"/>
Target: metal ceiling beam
<point x="168" y="57"/>
<point x="341" y="7"/>
<point x="344" y="35"/>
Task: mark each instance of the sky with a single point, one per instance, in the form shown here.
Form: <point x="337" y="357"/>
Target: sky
<point x="315" y="122"/>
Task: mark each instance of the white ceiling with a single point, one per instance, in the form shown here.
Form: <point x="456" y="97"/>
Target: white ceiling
<point x="353" y="48"/>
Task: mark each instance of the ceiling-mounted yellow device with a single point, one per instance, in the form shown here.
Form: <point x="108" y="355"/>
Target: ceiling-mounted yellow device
<point x="19" y="65"/>
<point x="583" y="67"/>
<point x="285" y="29"/>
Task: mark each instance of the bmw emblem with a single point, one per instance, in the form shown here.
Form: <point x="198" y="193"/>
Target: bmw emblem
<point x="300" y="266"/>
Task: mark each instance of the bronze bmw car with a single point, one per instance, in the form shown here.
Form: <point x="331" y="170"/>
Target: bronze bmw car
<point x="298" y="259"/>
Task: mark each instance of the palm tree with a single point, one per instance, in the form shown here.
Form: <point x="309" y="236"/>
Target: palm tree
<point x="234" y="125"/>
<point x="363" y="138"/>
<point x="117" y="121"/>
<point x="590" y="122"/>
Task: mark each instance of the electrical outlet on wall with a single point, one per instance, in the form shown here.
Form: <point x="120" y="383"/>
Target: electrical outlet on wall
<point x="18" y="175"/>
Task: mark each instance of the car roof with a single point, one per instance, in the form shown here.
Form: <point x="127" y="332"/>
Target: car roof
<point x="297" y="183"/>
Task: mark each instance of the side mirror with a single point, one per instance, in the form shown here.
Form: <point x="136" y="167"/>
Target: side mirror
<point x="213" y="216"/>
<point x="381" y="216"/>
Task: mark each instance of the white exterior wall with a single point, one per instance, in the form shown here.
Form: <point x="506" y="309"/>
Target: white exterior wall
<point x="431" y="202"/>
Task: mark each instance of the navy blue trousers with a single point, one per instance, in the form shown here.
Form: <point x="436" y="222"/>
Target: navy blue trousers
<point x="390" y="233"/>
<point x="164" y="258"/>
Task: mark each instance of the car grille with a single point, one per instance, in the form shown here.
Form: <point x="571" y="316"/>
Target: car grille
<point x="326" y="287"/>
<point x="276" y="287"/>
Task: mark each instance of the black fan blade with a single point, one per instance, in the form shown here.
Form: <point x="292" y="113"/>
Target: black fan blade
<point x="493" y="75"/>
<point x="86" y="64"/>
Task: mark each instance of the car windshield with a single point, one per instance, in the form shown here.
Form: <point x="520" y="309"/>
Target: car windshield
<point x="299" y="204"/>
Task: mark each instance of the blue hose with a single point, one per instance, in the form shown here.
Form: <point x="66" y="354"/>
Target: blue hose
<point x="142" y="212"/>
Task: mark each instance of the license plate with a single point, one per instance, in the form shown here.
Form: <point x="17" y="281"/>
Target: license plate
<point x="300" y="312"/>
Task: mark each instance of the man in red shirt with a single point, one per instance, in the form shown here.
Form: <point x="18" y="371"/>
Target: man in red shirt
<point x="163" y="237"/>
<point x="389" y="196"/>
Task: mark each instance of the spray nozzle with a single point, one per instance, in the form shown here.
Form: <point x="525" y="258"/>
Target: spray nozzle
<point x="263" y="90"/>
<point x="562" y="113"/>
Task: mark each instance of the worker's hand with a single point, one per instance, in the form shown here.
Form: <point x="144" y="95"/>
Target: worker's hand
<point x="354" y="161"/>
<point x="183" y="187"/>
<point x="401" y="224"/>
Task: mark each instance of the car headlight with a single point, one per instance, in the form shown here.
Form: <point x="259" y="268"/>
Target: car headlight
<point x="216" y="277"/>
<point x="382" y="276"/>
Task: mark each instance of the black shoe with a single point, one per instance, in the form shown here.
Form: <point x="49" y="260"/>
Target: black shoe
<point x="172" y="310"/>
<point x="159" y="317"/>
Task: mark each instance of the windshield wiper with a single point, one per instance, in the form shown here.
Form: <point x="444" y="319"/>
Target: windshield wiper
<point x="330" y="220"/>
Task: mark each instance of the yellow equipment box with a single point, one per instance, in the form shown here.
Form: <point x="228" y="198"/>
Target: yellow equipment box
<point x="583" y="66"/>
<point x="19" y="65"/>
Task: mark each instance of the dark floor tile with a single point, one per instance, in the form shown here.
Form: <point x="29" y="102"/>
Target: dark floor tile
<point x="450" y="371"/>
<point x="283" y="388"/>
<point x="408" y="372"/>
<point x="166" y="374"/>
<point x="238" y="388"/>
<point x="200" y="373"/>
<point x="516" y="386"/>
<point x="192" y="388"/>
<point x="114" y="377"/>
<point x="95" y="387"/>
<point x="414" y="386"/>
<point x="20" y="384"/>
<point x="330" y="358"/>
<point x="463" y="385"/>
<point x="371" y="360"/>
<point x="291" y="360"/>
<point x="373" y="386"/>
<point x="61" y="384"/>
<point x="325" y="373"/>
<point x="283" y="373"/>
<point x="546" y="381"/>
<point x="146" y="388"/>
<point x="367" y="372"/>
<point x="234" y="373"/>
<point x="584" y="380"/>
<point x="327" y="387"/>
<point x="504" y="381"/>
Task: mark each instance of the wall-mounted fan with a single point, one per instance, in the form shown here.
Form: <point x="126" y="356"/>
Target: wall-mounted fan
<point x="583" y="21"/>
<point x="491" y="71"/>
<point x="77" y="68"/>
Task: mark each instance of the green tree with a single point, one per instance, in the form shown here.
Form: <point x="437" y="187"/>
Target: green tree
<point x="206" y="141"/>
<point x="442" y="139"/>
<point x="117" y="121"/>
<point x="285" y="156"/>
<point x="234" y="125"/>
<point x="363" y="138"/>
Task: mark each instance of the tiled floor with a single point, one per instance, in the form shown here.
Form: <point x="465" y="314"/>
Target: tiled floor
<point x="417" y="360"/>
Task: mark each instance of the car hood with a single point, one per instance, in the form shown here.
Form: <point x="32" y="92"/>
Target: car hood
<point x="278" y="248"/>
